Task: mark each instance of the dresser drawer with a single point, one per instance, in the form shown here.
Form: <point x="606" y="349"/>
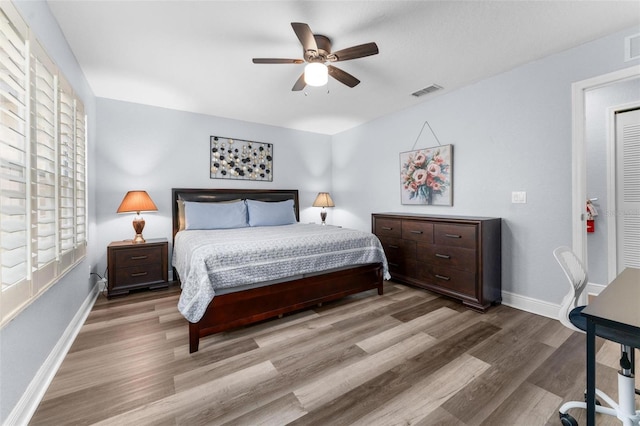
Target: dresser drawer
<point x="138" y="256"/>
<point x="397" y="249"/>
<point x="454" y="280"/>
<point x="402" y="267"/>
<point x="455" y="235"/>
<point x="388" y="228"/>
<point x="447" y="256"/>
<point x="417" y="231"/>
<point x="138" y="275"/>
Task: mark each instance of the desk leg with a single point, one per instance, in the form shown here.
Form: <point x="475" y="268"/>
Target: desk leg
<point x="591" y="373"/>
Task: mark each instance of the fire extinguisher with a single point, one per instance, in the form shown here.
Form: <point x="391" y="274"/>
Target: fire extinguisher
<point x="591" y="214"/>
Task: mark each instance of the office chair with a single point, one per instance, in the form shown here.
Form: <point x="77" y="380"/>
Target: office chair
<point x="570" y="316"/>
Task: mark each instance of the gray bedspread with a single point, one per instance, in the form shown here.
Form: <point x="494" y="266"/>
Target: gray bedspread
<point x="210" y="260"/>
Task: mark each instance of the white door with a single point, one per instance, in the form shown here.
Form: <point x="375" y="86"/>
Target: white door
<point x="627" y="214"/>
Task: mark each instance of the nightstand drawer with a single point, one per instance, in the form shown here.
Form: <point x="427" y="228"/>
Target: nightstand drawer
<point x="138" y="256"/>
<point x="138" y="275"/>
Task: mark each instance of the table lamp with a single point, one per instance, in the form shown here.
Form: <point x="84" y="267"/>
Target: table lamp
<point x="137" y="201"/>
<point x="323" y="200"/>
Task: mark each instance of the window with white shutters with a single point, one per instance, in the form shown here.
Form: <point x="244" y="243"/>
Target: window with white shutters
<point x="43" y="225"/>
<point x="14" y="161"/>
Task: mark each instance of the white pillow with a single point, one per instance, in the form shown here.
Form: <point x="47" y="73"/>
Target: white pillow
<point x="271" y="213"/>
<point x="222" y="215"/>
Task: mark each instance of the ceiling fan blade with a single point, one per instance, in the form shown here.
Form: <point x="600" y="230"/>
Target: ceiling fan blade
<point x="355" y="52"/>
<point x="343" y="76"/>
<point x="300" y="84"/>
<point x="305" y="36"/>
<point x="277" y="61"/>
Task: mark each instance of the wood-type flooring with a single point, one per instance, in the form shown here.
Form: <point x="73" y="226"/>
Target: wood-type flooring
<point x="407" y="357"/>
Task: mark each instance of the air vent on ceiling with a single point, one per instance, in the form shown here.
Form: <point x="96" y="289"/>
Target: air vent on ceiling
<point x="632" y="47"/>
<point x="429" y="89"/>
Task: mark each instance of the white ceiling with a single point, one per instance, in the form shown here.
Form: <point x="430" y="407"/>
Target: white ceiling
<point x="196" y="55"/>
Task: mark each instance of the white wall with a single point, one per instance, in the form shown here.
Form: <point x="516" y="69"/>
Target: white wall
<point x="510" y="133"/>
<point x="27" y="341"/>
<point x="156" y="149"/>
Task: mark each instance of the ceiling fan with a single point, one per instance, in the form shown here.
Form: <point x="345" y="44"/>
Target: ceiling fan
<point x="316" y="51"/>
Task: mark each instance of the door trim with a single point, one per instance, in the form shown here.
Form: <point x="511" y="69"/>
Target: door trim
<point x="579" y="152"/>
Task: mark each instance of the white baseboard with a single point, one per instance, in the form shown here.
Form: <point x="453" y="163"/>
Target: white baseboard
<point x="28" y="403"/>
<point x="535" y="306"/>
<point x="540" y="307"/>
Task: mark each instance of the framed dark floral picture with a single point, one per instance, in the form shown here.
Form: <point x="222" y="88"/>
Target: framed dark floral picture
<point x="426" y="176"/>
<point x="240" y="159"/>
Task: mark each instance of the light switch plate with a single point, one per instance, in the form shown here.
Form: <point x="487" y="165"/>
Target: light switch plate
<point x="519" y="197"/>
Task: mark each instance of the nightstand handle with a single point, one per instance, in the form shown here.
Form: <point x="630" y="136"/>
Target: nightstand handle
<point x="443" y="256"/>
<point x="442" y="277"/>
<point x="138" y="257"/>
<point x="415" y="232"/>
<point x="386" y="228"/>
<point x="452" y="236"/>
<point x="138" y="274"/>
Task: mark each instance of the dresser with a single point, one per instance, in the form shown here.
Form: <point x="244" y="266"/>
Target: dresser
<point x="132" y="266"/>
<point x="457" y="256"/>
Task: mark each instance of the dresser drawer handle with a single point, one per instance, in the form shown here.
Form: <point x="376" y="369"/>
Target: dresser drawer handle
<point x="138" y="257"/>
<point x="416" y="232"/>
<point x="386" y="228"/>
<point x="392" y="246"/>
<point x="443" y="256"/>
<point x="442" y="277"/>
<point x="139" y="274"/>
<point x="452" y="236"/>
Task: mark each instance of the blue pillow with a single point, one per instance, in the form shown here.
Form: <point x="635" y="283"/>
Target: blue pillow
<point x="221" y="215"/>
<point x="263" y="213"/>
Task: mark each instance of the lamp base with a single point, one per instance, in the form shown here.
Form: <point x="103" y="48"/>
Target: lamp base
<point x="138" y="226"/>
<point x="323" y="216"/>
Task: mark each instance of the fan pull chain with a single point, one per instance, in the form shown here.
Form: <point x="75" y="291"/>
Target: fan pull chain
<point x="426" y="123"/>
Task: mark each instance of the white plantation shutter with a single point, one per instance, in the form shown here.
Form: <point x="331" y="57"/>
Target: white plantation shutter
<point x="44" y="167"/>
<point x="66" y="178"/>
<point x="43" y="226"/>
<point x="81" y="181"/>
<point x="14" y="207"/>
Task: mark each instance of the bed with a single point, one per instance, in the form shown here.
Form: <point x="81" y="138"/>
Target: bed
<point x="240" y="294"/>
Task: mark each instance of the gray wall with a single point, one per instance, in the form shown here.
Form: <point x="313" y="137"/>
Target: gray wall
<point x="510" y="133"/>
<point x="597" y="102"/>
<point x="26" y="341"/>
<point x="156" y="149"/>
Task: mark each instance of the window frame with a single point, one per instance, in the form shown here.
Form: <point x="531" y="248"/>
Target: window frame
<point x="43" y="199"/>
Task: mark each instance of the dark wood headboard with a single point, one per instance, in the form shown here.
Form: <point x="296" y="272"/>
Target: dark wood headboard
<point x="213" y="195"/>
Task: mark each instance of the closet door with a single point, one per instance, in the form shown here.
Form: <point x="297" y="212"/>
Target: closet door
<point x="628" y="189"/>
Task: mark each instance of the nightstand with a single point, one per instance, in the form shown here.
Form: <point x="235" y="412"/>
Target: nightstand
<point x="137" y="265"/>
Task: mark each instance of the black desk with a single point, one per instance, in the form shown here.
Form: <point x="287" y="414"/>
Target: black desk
<point x="617" y="307"/>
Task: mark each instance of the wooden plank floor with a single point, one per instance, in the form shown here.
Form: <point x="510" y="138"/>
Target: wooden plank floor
<point x="407" y="357"/>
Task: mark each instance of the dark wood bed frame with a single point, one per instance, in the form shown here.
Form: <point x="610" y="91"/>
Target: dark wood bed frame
<point x="240" y="308"/>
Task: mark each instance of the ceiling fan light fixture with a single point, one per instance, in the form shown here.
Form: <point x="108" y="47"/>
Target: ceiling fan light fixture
<point x="316" y="74"/>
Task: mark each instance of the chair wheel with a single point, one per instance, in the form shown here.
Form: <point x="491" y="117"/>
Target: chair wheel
<point x="567" y="420"/>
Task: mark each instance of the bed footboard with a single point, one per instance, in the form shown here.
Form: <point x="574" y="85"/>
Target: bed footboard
<point x="249" y="306"/>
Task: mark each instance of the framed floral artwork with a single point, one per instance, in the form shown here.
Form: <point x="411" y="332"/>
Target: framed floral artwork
<point x="426" y="176"/>
<point x="240" y="159"/>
